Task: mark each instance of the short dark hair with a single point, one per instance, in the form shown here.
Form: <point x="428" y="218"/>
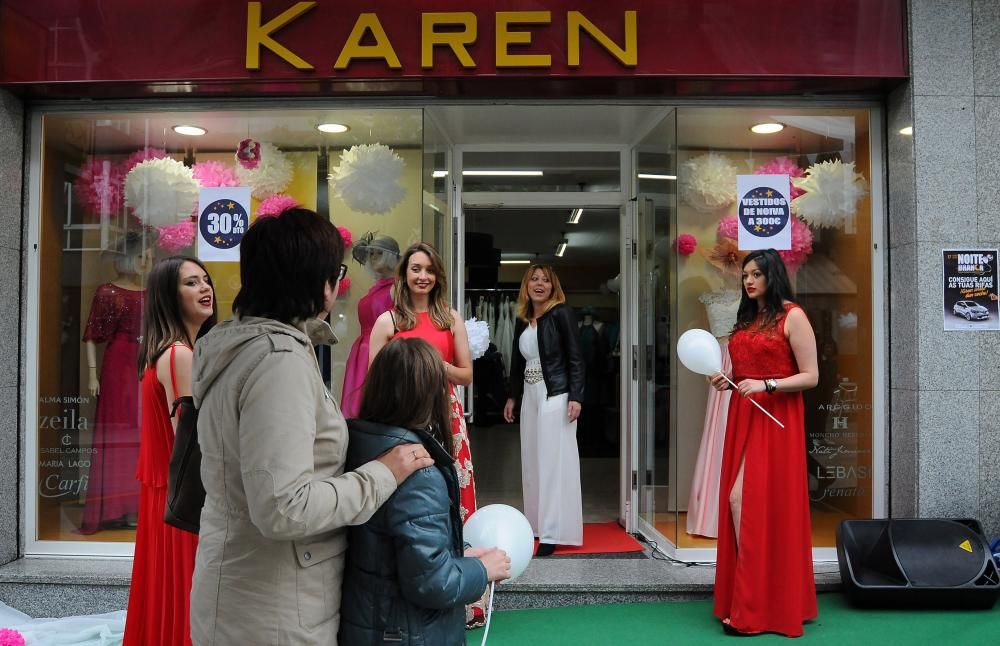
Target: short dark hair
<point x="407" y="386"/>
<point x="285" y="263"/>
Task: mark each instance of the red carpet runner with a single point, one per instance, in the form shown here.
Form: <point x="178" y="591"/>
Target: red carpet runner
<point x="601" y="538"/>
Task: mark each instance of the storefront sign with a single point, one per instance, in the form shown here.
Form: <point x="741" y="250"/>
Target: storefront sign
<point x="764" y="212"/>
<point x="196" y="43"/>
<point x="223" y="218"/>
<point x="970" y="289"/>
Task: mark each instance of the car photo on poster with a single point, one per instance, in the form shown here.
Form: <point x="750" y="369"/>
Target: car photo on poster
<point x="970" y="311"/>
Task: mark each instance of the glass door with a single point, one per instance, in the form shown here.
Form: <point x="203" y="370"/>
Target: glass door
<point x="654" y="271"/>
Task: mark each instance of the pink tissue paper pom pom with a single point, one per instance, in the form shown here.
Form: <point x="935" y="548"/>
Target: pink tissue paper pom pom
<point x="10" y="637"/>
<point x="802" y="245"/>
<point x="176" y="237"/>
<point x="686" y="244"/>
<point x="213" y="174"/>
<point x="729" y="227"/>
<point x="345" y="233"/>
<point x="345" y="284"/>
<point x="783" y="166"/>
<point x="140" y="156"/>
<point x="100" y="187"/>
<point x="275" y="205"/>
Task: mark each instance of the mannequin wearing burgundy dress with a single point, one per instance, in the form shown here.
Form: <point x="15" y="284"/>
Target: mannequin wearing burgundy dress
<point x="379" y="255"/>
<point x="115" y="320"/>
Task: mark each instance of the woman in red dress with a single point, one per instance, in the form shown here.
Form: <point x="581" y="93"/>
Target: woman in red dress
<point x="180" y="307"/>
<point x="421" y="310"/>
<point x="764" y="577"/>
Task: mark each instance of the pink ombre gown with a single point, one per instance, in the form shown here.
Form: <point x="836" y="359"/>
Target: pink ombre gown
<point x="703" y="505"/>
<point x="370" y="307"/>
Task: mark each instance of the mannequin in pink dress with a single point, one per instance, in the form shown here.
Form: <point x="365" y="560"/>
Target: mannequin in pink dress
<point x="379" y="255"/>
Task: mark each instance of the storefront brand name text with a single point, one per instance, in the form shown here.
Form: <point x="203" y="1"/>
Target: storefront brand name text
<point x="453" y="30"/>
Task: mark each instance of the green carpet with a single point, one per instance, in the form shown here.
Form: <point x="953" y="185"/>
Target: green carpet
<point x="691" y="622"/>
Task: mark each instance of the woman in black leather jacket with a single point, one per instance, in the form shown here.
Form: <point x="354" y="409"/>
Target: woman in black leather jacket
<point x="547" y="376"/>
<point x="407" y="580"/>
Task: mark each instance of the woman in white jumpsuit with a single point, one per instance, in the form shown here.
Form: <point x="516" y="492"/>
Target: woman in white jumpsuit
<point x="547" y="375"/>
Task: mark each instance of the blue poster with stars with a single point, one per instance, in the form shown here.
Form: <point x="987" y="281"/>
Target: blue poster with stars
<point x="764" y="211"/>
<point x="223" y="218"/>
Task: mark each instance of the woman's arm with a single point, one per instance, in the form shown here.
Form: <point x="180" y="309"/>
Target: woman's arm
<point x="803" y="341"/>
<point x="382" y="332"/>
<point x="460" y="374"/>
<point x="576" y="369"/>
<point x="182" y="358"/>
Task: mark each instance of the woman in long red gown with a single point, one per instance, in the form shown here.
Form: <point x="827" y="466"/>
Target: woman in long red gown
<point x="764" y="576"/>
<point x="421" y="310"/>
<point x="180" y="306"/>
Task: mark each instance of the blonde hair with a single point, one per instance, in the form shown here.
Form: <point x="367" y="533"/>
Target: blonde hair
<point x="525" y="308"/>
<point x="437" y="304"/>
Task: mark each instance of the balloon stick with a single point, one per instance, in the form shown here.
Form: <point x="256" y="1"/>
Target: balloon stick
<point x="489" y="612"/>
<point x="754" y="402"/>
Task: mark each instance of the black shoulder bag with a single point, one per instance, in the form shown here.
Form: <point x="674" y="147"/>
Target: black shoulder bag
<point x="185" y="493"/>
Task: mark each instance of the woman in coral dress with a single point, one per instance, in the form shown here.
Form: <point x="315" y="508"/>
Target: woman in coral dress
<point x="764" y="576"/>
<point x="421" y="310"/>
<point x="180" y="306"/>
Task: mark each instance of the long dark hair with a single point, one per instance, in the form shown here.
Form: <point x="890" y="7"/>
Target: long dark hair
<point x="778" y="290"/>
<point x="437" y="300"/>
<point x="407" y="387"/>
<point x="162" y="321"/>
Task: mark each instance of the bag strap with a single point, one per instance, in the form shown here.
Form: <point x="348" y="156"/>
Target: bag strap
<point x="395" y="330"/>
<point x="173" y="375"/>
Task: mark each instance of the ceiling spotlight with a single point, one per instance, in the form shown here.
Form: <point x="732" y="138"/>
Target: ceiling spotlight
<point x="574" y="217"/>
<point x="439" y="173"/>
<point x="191" y="131"/>
<point x="332" y="128"/>
<point x="503" y="173"/>
<point x="908" y="130"/>
<point x="767" y="128"/>
<point x="655" y="176"/>
<point x="561" y="247"/>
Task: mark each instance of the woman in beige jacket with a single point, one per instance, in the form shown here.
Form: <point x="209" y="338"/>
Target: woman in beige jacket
<point x="273" y="530"/>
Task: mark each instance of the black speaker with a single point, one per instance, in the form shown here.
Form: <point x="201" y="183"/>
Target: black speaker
<point x="921" y="562"/>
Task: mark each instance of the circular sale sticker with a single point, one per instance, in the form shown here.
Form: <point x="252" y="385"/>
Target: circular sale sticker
<point x="223" y="223"/>
<point x="764" y="212"/>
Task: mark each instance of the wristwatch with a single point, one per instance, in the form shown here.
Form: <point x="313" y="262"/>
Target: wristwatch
<point x="770" y="385"/>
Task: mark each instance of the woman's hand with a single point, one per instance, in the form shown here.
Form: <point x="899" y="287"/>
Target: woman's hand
<point x="495" y="560"/>
<point x="508" y="411"/>
<point x="404" y="459"/>
<point x="573" y="411"/>
<point x="750" y="386"/>
<point x="718" y="381"/>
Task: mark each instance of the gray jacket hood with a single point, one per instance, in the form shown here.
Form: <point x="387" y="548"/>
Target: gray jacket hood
<point x="215" y="351"/>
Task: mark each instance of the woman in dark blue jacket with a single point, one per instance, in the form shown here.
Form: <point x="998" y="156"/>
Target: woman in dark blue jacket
<point x="406" y="580"/>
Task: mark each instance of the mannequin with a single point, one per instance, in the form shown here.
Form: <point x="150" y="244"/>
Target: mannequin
<point x="115" y="321"/>
<point x="379" y="255"/>
<point x="593" y="347"/>
<point x="721" y="305"/>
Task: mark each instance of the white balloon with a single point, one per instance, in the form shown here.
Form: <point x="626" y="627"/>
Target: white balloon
<point x="699" y="351"/>
<point x="504" y="527"/>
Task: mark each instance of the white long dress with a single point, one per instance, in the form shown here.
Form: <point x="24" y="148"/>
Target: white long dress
<point x="550" y="460"/>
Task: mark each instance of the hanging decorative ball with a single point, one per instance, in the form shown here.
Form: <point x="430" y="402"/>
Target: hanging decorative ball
<point x="802" y="246"/>
<point x="368" y="178"/>
<point x="161" y="192"/>
<point x="783" y="166"/>
<point x="478" y="333"/>
<point x="832" y="192"/>
<point x="686" y="244"/>
<point x="176" y="237"/>
<point x="213" y="174"/>
<point x="272" y="173"/>
<point x="99" y="187"/>
<point x="275" y="205"/>
<point x="346" y="236"/>
<point x="248" y="154"/>
<point x="708" y="182"/>
<point x="343" y="286"/>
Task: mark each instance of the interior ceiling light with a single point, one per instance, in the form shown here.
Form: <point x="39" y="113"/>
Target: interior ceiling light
<point x="908" y="130"/>
<point x="439" y="173"/>
<point x="332" y="128"/>
<point x="655" y="176"/>
<point x="767" y="128"/>
<point x="561" y="248"/>
<point x="191" y="131"/>
<point x="515" y="262"/>
<point x="503" y="173"/>
<point x="574" y="217"/>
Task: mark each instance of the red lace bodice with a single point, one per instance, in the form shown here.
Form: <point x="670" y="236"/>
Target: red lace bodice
<point x="763" y="354"/>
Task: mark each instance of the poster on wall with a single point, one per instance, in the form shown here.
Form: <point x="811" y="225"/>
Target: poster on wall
<point x="223" y="218"/>
<point x="764" y="212"/>
<point x="970" y="289"/>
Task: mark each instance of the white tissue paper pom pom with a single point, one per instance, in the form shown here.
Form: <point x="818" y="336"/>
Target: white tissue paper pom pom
<point x="833" y="191"/>
<point x="479" y="336"/>
<point x="368" y="178"/>
<point x="708" y="182"/>
<point x="161" y="192"/>
<point x="272" y="175"/>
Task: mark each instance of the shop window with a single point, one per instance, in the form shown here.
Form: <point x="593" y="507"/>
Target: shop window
<point x="96" y="245"/>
